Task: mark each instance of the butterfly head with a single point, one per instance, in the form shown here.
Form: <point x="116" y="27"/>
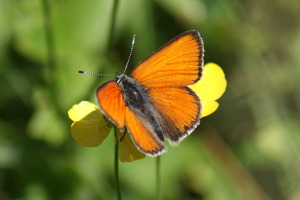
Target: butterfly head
<point x="120" y="78"/>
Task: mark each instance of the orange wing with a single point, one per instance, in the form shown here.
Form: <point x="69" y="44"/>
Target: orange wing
<point x="112" y="103"/>
<point x="182" y="108"/>
<point x="177" y="63"/>
<point x="144" y="137"/>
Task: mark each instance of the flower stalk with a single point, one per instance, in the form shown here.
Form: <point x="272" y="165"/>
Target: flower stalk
<point x="116" y="163"/>
<point x="158" y="161"/>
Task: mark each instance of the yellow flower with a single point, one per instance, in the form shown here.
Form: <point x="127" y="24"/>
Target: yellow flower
<point x="90" y="127"/>
<point x="210" y="87"/>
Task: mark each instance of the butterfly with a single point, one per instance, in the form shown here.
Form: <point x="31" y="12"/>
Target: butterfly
<point x="155" y="102"/>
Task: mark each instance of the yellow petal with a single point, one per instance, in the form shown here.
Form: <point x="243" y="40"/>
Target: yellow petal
<point x="128" y="151"/>
<point x="81" y="110"/>
<point x="210" y="87"/>
<point x="90" y="128"/>
<point x="209" y="107"/>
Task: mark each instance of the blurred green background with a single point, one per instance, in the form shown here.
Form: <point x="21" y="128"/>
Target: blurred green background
<point x="247" y="149"/>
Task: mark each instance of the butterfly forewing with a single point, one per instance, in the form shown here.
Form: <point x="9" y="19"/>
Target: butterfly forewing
<point x="112" y="103"/>
<point x="178" y="63"/>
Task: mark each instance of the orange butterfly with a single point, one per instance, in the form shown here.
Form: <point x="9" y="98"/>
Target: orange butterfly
<point x="156" y="102"/>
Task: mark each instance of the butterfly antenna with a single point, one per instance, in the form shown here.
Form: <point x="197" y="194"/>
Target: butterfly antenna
<point x="95" y="74"/>
<point x="131" y="49"/>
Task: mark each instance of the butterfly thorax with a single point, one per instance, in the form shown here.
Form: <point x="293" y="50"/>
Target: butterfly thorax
<point x="134" y="94"/>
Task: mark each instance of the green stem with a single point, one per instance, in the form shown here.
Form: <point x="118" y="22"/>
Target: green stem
<point x="113" y="23"/>
<point x="49" y="40"/>
<point x="117" y="164"/>
<point x="50" y="71"/>
<point x="158" y="178"/>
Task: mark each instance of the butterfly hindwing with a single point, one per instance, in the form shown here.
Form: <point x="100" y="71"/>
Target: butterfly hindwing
<point x="180" y="111"/>
<point x="143" y="135"/>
